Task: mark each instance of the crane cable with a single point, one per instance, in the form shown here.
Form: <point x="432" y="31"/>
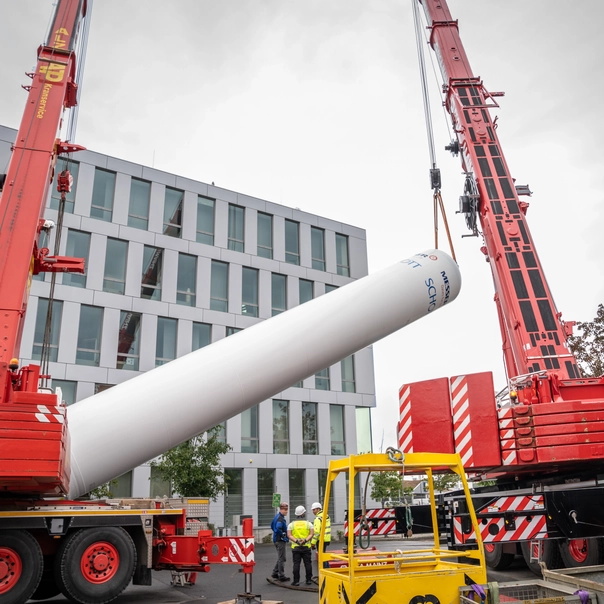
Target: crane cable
<point x="72" y="121"/>
<point x="438" y="204"/>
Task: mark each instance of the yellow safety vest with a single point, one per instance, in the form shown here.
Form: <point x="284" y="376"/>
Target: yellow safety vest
<point x="300" y="530"/>
<point x="317" y="527"/>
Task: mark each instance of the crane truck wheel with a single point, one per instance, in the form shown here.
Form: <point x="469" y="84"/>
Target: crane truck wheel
<point x="582" y="552"/>
<point x="95" y="565"/>
<point x="21" y="565"/>
<point x="550" y="554"/>
<point x="496" y="558"/>
<point x="47" y="588"/>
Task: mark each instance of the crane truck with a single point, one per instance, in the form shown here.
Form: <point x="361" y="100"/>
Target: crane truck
<point x="539" y="441"/>
<point x="52" y="542"/>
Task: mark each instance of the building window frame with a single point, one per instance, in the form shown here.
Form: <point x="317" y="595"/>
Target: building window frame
<point x="317" y="247"/>
<point x="292" y="242"/>
<point x="348" y="374"/>
<point x="236" y="228"/>
<point x="165" y="351"/>
<point x="153" y="261"/>
<point x="55" y="198"/>
<point x="278" y="294"/>
<point x="219" y="286"/>
<point x="138" y="205"/>
<point x="280" y="426"/>
<point x="322" y="380"/>
<point x="249" y="430"/>
<point x="305" y="286"/>
<point x="310" y="435"/>
<point x="173" y="206"/>
<point x="201" y="335"/>
<point x="40" y="328"/>
<point x="78" y="246"/>
<point x="103" y="194"/>
<point x="337" y="430"/>
<point x="88" y="348"/>
<point x="265" y="235"/>
<point x="186" y="280"/>
<point x="128" y="341"/>
<point x="116" y="257"/>
<point x="342" y="255"/>
<point x="249" y="291"/>
<point x="206" y="217"/>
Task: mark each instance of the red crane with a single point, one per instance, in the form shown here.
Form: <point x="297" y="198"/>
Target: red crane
<point x="30" y="172"/>
<point x="548" y="428"/>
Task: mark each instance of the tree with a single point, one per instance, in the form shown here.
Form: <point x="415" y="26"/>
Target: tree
<point x="445" y="482"/>
<point x="386" y="486"/>
<point x="588" y="346"/>
<point x="194" y="466"/>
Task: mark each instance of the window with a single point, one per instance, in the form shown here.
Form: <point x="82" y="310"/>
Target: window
<point x="128" y="343"/>
<point x="266" y="488"/>
<point x="121" y="486"/>
<point x="279" y="294"/>
<point x="297" y="489"/>
<point x="233" y="498"/>
<point x="221" y="432"/>
<point x="202" y="335"/>
<point x="68" y="390"/>
<point x="280" y="426"/>
<point x="73" y="167"/>
<point x="165" y="346"/>
<point x="343" y="264"/>
<point x="249" y="292"/>
<point x="305" y="290"/>
<point x="102" y="195"/>
<point x="152" y="271"/>
<point x="292" y="242"/>
<point x="114" y="280"/>
<point x="330" y="288"/>
<point x="78" y="246"/>
<point x="236" y="226"/>
<point x="138" y="209"/>
<point x="310" y="440"/>
<point x="317" y="247"/>
<point x="348" y="381"/>
<point x="265" y="235"/>
<point x="88" y="351"/>
<point x="336" y="425"/>
<point x="187" y="278"/>
<point x="159" y="487"/>
<point x="363" y="425"/>
<point x="205" y="220"/>
<point x="98" y="388"/>
<point x="55" y="328"/>
<point x="173" y="212"/>
<point x="249" y="430"/>
<point x="219" y="286"/>
<point x="322" y="482"/>
<point x="322" y="379"/>
<point x="231" y="331"/>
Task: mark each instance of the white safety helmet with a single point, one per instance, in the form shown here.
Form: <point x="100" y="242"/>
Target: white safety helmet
<point x="316" y="506"/>
<point x="300" y="510"/>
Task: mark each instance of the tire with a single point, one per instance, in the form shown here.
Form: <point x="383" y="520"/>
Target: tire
<point x="95" y="565"/>
<point x="550" y="555"/>
<point x="496" y="558"/>
<point x="21" y="565"/>
<point x="47" y="588"/>
<point x="577" y="553"/>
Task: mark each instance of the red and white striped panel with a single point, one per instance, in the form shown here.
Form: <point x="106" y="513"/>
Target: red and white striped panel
<point x="517" y="503"/>
<point x="460" y="408"/>
<point x="383" y="527"/>
<point x="381" y="513"/>
<point x="458" y="533"/>
<point x="241" y="550"/>
<point x="506" y="436"/>
<point x="535" y="528"/>
<point x="405" y="429"/>
<point x="47" y="415"/>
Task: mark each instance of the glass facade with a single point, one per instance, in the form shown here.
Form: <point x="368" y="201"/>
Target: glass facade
<point x="152" y="273"/>
<point x="173" y="212"/>
<point x="317" y="247"/>
<point x="165" y="346"/>
<point x="310" y="439"/>
<point x="128" y="344"/>
<point x="103" y="191"/>
<point x="249" y="292"/>
<point x="138" y="208"/>
<point x="202" y="335"/>
<point x="88" y="350"/>
<point x="187" y="279"/>
<point x="292" y="242"/>
<point x="306" y="288"/>
<point x="266" y="488"/>
<point x="55" y="328"/>
<point x="265" y="235"/>
<point x="336" y="428"/>
<point x="280" y="426"/>
<point x="249" y="430"/>
<point x="342" y="262"/>
<point x="278" y="294"/>
<point x="205" y="220"/>
<point x="73" y="167"/>
<point x="236" y="228"/>
<point x="322" y="379"/>
<point x="348" y="380"/>
<point x="114" y="280"/>
<point x="219" y="286"/>
<point x="78" y="246"/>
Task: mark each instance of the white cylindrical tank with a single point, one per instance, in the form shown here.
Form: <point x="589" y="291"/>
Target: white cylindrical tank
<point x="133" y="422"/>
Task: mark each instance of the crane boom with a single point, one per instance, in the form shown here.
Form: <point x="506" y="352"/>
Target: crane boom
<point x="533" y="335"/>
<point x="28" y="178"/>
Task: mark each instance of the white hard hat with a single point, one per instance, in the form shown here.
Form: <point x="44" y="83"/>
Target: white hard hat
<point x="316" y="505"/>
<point x="300" y="510"/>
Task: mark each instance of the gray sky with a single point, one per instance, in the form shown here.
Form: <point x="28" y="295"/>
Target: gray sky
<point x="316" y="104"/>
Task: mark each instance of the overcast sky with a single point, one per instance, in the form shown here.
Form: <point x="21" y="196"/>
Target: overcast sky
<point x="316" y="104"/>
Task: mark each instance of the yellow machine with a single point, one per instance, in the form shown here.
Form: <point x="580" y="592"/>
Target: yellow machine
<point x="430" y="576"/>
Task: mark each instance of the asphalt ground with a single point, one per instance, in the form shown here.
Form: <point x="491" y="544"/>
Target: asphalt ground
<point x="224" y="582"/>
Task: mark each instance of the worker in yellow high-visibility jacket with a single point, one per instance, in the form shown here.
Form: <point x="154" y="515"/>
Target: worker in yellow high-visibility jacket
<point x="300" y="533"/>
<point x="317" y="510"/>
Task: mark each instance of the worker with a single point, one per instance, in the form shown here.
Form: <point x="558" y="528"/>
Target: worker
<point x="279" y="527"/>
<point x="317" y="510"/>
<point x="300" y="533"/>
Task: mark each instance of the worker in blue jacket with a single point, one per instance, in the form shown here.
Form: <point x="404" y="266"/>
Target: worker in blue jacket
<point x="279" y="527"/>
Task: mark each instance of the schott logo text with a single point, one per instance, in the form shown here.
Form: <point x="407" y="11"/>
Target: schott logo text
<point x="447" y="286"/>
<point x="431" y="294"/>
<point x="411" y="263"/>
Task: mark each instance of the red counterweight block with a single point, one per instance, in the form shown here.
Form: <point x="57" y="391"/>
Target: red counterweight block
<point x="475" y="422"/>
<point x="34" y="445"/>
<point x="425" y="417"/>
